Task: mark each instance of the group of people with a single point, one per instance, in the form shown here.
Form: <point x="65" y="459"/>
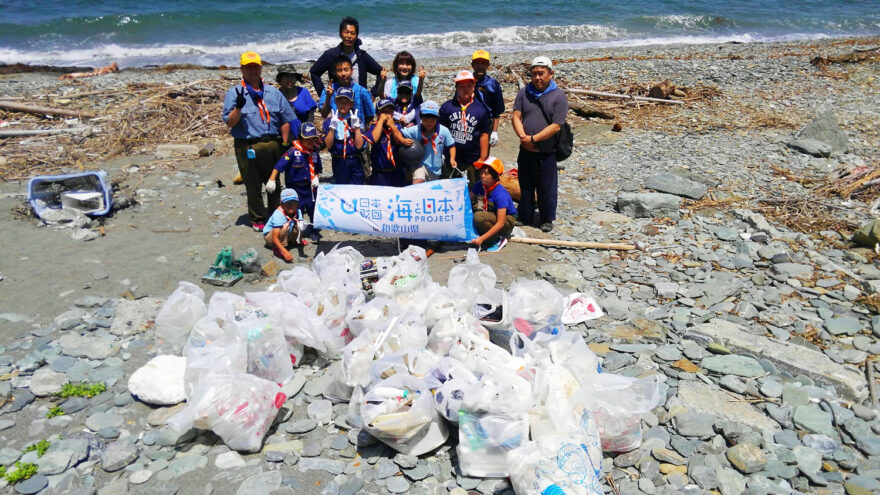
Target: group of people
<point x="400" y="139"/>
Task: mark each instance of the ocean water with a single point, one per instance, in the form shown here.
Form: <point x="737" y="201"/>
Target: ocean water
<point x="139" y="33"/>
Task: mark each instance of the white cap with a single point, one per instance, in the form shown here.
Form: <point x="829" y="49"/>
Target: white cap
<point x="542" y="62"/>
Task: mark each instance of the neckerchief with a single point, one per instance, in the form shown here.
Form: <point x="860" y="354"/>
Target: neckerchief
<point x="464" y="112"/>
<point x="257" y="97"/>
<point x="433" y="138"/>
<point x="346" y="136"/>
<point x="486" y="195"/>
<point x="298" y="146"/>
<point x="533" y="91"/>
<point x="389" y="152"/>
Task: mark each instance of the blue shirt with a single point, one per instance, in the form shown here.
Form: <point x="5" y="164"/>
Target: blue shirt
<point x="432" y="161"/>
<point x="278" y="219"/>
<point x="408" y="114"/>
<point x="488" y="91"/>
<point x="302" y="104"/>
<point x="379" y="158"/>
<point x="391" y="86"/>
<point x="498" y="198"/>
<point x="252" y="125"/>
<point x="295" y="165"/>
<point x="466" y="132"/>
<point x="340" y="144"/>
<point x="363" y="101"/>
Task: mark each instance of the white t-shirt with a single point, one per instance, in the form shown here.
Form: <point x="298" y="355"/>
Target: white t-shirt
<point x="354" y="67"/>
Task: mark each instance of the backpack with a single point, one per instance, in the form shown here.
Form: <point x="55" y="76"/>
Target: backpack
<point x="564" y="138"/>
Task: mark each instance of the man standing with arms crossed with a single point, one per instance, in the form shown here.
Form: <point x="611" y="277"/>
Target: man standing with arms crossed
<point x="468" y="121"/>
<point x="539" y="112"/>
<point x="258" y="117"/>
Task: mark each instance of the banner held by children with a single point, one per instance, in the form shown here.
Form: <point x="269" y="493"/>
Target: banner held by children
<point x="438" y="210"/>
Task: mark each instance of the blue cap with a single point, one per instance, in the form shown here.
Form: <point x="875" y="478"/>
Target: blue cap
<point x="384" y="102"/>
<point x="430" y="107"/>
<point x="289" y="195"/>
<point x="404" y="84"/>
<point x="345" y="93"/>
<point x="308" y="130"/>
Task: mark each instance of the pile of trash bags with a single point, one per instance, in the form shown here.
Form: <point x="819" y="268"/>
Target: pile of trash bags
<point x="414" y="360"/>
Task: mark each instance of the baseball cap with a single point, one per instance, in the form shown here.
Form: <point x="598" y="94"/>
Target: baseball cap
<point x="288" y="195"/>
<point x="542" y="61"/>
<point x="248" y="58"/>
<point x="404" y="84"/>
<point x="430" y="107"/>
<point x="481" y="54"/>
<point x="288" y="69"/>
<point x="308" y="130"/>
<point x="345" y="93"/>
<point x="491" y="162"/>
<point x="384" y="102"/>
<point x="464" y="75"/>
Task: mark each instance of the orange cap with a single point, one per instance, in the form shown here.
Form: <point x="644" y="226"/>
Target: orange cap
<point x="481" y="54"/>
<point x="248" y="58"/>
<point x="491" y="162"/>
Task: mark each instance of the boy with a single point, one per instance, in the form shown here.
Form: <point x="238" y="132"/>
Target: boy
<point x="495" y="213"/>
<point x="283" y="228"/>
<point x="406" y="108"/>
<point x="384" y="137"/>
<point x="361" y="98"/>
<point x="301" y="165"/>
<point x="468" y="121"/>
<point x="434" y="138"/>
<point x="344" y="140"/>
<point x="488" y="91"/>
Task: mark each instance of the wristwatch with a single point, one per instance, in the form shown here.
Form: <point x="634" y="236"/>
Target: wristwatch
<point x="533" y="139"/>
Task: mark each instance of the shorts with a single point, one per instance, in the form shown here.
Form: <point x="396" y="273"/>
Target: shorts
<point x="423" y="173"/>
<point x="288" y="236"/>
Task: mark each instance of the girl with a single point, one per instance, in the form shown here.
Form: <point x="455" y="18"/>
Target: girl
<point x="404" y="68"/>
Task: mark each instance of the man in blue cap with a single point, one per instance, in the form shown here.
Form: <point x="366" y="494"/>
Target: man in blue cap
<point x="258" y="117"/>
<point x="435" y="138"/>
<point x="384" y="137"/>
<point x="344" y="140"/>
<point x="302" y="168"/>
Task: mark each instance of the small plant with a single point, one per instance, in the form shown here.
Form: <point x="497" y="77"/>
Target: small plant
<point x="55" y="411"/>
<point x="2" y="471"/>
<point x="21" y="473"/>
<point x="82" y="390"/>
<point x="40" y="447"/>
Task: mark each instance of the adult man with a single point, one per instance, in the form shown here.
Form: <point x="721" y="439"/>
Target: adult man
<point x="258" y="117"/>
<point x="488" y="91"/>
<point x="539" y="112"/>
<point x="361" y="62"/>
<point x="468" y="121"/>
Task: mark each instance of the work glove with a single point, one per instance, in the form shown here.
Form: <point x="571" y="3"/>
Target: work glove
<point x="493" y="138"/>
<point x="270" y="186"/>
<point x="315" y="181"/>
<point x="240" y="100"/>
<point x="355" y="120"/>
<point x="334" y="120"/>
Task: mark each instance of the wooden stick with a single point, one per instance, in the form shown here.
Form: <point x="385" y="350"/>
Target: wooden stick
<point x="578" y="244"/>
<point x="42" y="132"/>
<point x="18" y="107"/>
<point x="603" y="94"/>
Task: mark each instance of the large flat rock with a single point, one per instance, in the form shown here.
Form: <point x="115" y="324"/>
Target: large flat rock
<point x="677" y="185"/>
<point x="698" y="397"/>
<point x="795" y="359"/>
<point x="132" y="317"/>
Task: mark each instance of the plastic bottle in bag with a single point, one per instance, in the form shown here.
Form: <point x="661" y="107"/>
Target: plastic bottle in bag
<point x="178" y="315"/>
<point x="534" y="304"/>
<point x="617" y="403"/>
<point x="268" y="354"/>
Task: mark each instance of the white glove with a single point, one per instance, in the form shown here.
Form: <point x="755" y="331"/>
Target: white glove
<point x="270" y="186"/>
<point x="316" y="182"/>
<point x="355" y="120"/>
<point x="493" y="138"/>
<point x="398" y="116"/>
<point x="334" y="119"/>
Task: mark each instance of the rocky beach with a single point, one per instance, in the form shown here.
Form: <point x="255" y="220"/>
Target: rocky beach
<point x="746" y="295"/>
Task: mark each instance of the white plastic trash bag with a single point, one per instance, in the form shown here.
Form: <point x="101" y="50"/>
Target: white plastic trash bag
<point x="300" y="281"/>
<point x="268" y="355"/>
<point x="455" y="329"/>
<point x="552" y="461"/>
<point x="485" y="438"/>
<point x="178" y="315"/>
<point x="449" y="380"/>
<point x="416" y="362"/>
<point x="617" y="403"/>
<point x="471" y="278"/>
<point x="534" y="305"/>
<point x="339" y="266"/>
<point x="372" y="316"/>
<point x="238" y="407"/>
<point x="442" y="303"/>
<point x="399" y="412"/>
<point x="202" y="361"/>
<point x="580" y="307"/>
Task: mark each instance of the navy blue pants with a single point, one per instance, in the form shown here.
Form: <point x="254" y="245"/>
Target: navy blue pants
<point x="306" y="201"/>
<point x="395" y="177"/>
<point x="537" y="172"/>
<point x="348" y="170"/>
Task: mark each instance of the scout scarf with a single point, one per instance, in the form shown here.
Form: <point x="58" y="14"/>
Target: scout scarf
<point x="389" y="152"/>
<point x="308" y="154"/>
<point x="486" y="195"/>
<point x="432" y="140"/>
<point x="257" y="97"/>
<point x="533" y="91"/>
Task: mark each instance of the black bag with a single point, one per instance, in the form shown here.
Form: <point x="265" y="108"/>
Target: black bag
<point x="564" y="138"/>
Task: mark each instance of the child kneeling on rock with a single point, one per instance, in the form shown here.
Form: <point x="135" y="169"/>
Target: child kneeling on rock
<point x="283" y="231"/>
<point x="494" y="211"/>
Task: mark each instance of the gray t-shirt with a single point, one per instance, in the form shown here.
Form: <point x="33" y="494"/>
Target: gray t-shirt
<point x="555" y="104"/>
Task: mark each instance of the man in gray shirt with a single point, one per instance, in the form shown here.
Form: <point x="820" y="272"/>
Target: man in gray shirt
<point x="539" y="112"/>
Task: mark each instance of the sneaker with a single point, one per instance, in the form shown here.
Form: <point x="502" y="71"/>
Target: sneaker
<point x="258" y="226"/>
<point x="498" y="246"/>
<point x="315" y="237"/>
<point x="546" y="226"/>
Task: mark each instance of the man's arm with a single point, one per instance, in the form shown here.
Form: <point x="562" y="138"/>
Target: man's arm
<point x="317" y="71"/>
<point x="285" y="133"/>
<point x="484" y="146"/>
<point x="524" y="139"/>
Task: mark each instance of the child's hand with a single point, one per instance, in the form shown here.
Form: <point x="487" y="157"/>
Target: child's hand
<point x="270" y="186"/>
<point x="287" y="256"/>
<point x="407" y="142"/>
<point x="422" y="73"/>
<point x="453" y="163"/>
<point x="355" y="120"/>
<point x="334" y="120"/>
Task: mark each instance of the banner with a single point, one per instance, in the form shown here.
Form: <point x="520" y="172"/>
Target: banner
<point x="438" y="210"/>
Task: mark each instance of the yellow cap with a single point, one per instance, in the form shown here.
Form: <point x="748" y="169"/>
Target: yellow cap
<point x="248" y="58"/>
<point x="481" y="54"/>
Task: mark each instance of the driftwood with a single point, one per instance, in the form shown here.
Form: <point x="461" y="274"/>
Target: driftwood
<point x="602" y="94"/>
<point x="662" y="91"/>
<point x="43" y="132"/>
<point x="588" y="111"/>
<point x="616" y="246"/>
<point x="18" y="107"/>
<point x="95" y="72"/>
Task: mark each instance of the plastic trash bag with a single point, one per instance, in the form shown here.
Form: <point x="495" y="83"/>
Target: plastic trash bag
<point x="534" y="305"/>
<point x="300" y="323"/>
<point x="492" y="309"/>
<point x="471" y="278"/>
<point x="552" y="461"/>
<point x="215" y="328"/>
<point x="403" y="280"/>
<point x="332" y="304"/>
<point x="372" y="316"/>
<point x="399" y="412"/>
<point x="580" y="307"/>
<point x="354" y="368"/>
<point x="412" y="361"/>
<point x="202" y="361"/>
<point x="485" y="438"/>
<point x="460" y="327"/>
<point x="617" y="403"/>
<point x="238" y="407"/>
<point x="449" y="379"/>
<point x="300" y="281"/>
<point x="339" y="266"/>
<point x="178" y="315"/>
<point x="226" y="304"/>
<point x="563" y="348"/>
<point x="442" y="303"/>
<point x="268" y="355"/>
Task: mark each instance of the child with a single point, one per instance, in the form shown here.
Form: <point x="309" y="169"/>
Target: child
<point x="283" y="228"/>
<point x="404" y="68"/>
<point x="301" y="165"/>
<point x="406" y="107"/>
<point x="384" y="136"/>
<point x="495" y="213"/>
<point x="299" y="97"/>
<point x="361" y="98"/>
<point x="434" y="138"/>
<point x="488" y="91"/>
<point x="344" y="140"/>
